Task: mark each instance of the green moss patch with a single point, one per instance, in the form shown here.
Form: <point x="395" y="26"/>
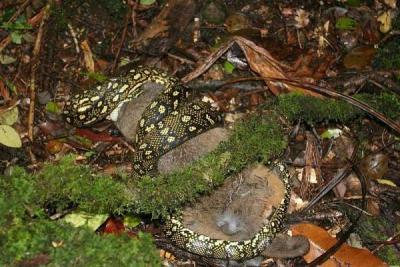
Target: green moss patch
<point x="388" y="56"/>
<point x="26" y="236"/>
<point x="373" y="229"/>
<point x="64" y="245"/>
<point x="313" y="110"/>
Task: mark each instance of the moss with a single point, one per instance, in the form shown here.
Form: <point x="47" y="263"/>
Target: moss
<point x="25" y="234"/>
<point x="388" y="56"/>
<point x="66" y="183"/>
<point x="313" y="110"/>
<point x="18" y="196"/>
<point x="259" y="138"/>
<point x="68" y="246"/>
<point x="374" y="229"/>
<point x="387" y="103"/>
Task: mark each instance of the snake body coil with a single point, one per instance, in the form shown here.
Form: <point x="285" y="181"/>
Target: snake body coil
<point x="171" y="119"/>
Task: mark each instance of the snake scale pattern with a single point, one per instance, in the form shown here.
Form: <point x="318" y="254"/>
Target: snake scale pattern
<point x="168" y="121"/>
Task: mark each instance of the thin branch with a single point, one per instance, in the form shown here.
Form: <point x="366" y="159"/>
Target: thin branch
<point x="35" y="60"/>
<point x="121" y="43"/>
<point x="326" y="92"/>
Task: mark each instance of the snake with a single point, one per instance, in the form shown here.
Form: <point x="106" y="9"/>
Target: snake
<point x="172" y="118"/>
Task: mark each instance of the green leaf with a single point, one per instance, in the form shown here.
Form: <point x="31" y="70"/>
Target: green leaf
<point x="346" y="23"/>
<point x="228" y="67"/>
<point x="19" y="24"/>
<point x="331" y="133"/>
<point x="386" y="182"/>
<point x="9" y="117"/>
<point x="78" y="219"/>
<point x="52" y="107"/>
<point x="89" y="154"/>
<point x="16" y="37"/>
<point x="131" y="221"/>
<point x="9" y="137"/>
<point x="147" y="2"/>
<point x="10" y="85"/>
<point x="96" y="76"/>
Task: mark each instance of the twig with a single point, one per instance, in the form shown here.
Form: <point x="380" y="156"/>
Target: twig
<point x="73" y="34"/>
<point x="127" y="145"/>
<point x="133" y="6"/>
<point x="121" y="43"/>
<point x="333" y="182"/>
<point x="333" y="94"/>
<point x="181" y="59"/>
<point x="35" y="60"/>
<point x="311" y="87"/>
<point x="382" y="245"/>
<point x="209" y="61"/>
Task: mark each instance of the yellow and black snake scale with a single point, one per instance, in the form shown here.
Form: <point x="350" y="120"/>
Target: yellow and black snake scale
<point x="170" y="120"/>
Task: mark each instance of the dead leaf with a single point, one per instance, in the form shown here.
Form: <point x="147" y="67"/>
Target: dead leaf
<point x="260" y="61"/>
<point x="391" y="3"/>
<point x="375" y="166"/>
<point x="321" y="241"/>
<point x="113" y="226"/>
<point x="101" y="65"/>
<point x="301" y="18"/>
<point x="96" y="137"/>
<point x="4" y="92"/>
<point x="359" y="57"/>
<point x="386" y="21"/>
<point x="54" y="146"/>
<point x="255" y="100"/>
<point x="88" y="56"/>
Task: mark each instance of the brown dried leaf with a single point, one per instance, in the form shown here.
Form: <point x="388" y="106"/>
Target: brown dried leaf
<point x="375" y="166"/>
<point x="359" y="57"/>
<point x="54" y="146"/>
<point x="96" y="137"/>
<point x="113" y="226"/>
<point x="4" y="91"/>
<point x="321" y="241"/>
<point x="88" y="56"/>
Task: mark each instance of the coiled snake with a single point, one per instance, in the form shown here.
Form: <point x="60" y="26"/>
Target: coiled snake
<point x="171" y="119"/>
